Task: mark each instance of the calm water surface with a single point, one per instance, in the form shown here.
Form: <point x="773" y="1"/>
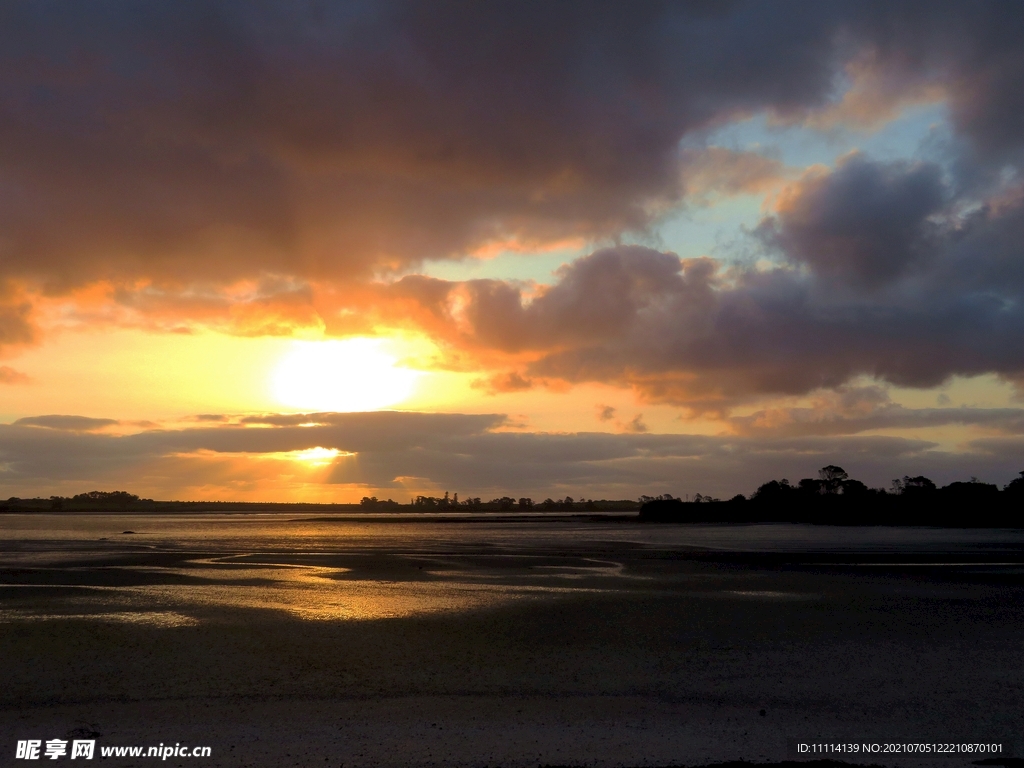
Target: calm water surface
<point x="177" y="570"/>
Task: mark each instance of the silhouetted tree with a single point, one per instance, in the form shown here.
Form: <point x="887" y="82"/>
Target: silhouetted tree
<point x="965" y="495"/>
<point x="854" y="489"/>
<point x="809" y="487"/>
<point x="1015" y="487"/>
<point x="830" y="479"/>
<point x="917" y="486"/>
<point x="116" y="496"/>
<point x="835" y="498"/>
<point x="773" y="492"/>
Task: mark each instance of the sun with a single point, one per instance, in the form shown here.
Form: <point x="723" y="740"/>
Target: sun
<point x="344" y="375"/>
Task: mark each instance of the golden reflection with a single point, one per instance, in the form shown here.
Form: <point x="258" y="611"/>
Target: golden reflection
<point x="314" y="593"/>
<point x="307" y="592"/>
<point x="149" y="618"/>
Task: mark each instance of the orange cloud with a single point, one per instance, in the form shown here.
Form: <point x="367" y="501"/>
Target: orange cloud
<point x="719" y="172"/>
<point x="9" y="375"/>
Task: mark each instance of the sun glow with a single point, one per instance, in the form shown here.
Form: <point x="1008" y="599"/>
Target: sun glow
<point x="346" y="375"/>
<point x="317" y="457"/>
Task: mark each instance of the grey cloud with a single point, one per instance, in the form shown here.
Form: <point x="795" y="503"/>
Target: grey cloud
<point x="596" y="298"/>
<point x="211" y="141"/>
<point x="973" y="50"/>
<point x="905" y="283"/>
<point x="1011" y="448"/>
<point x="866" y="222"/>
<point x="636" y="424"/>
<point x="67" y="423"/>
<point x="461" y="453"/>
<point x="811" y="421"/>
<point x="779" y="332"/>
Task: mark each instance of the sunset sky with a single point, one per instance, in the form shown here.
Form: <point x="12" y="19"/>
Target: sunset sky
<point x="317" y="251"/>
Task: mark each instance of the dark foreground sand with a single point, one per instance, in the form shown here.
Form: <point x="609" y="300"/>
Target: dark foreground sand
<point x="680" y="657"/>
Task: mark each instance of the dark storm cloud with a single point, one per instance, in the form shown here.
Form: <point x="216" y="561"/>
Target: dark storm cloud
<point x="864" y="223"/>
<point x="693" y="332"/>
<point x="396" y="452"/>
<point x="184" y="141"/>
<point x="972" y="49"/>
<point x="325" y="140"/>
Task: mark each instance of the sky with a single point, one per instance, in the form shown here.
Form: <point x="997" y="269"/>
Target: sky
<point x="319" y="251"/>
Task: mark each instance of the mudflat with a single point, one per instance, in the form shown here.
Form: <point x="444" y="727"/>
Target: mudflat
<point x="483" y="641"/>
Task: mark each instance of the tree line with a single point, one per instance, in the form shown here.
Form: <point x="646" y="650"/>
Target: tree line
<point x="833" y="497"/>
<point x="451" y="503"/>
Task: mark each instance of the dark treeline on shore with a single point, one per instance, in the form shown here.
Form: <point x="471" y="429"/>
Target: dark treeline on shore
<point x="451" y="503"/>
<point x="122" y="501"/>
<point x="834" y="498"/>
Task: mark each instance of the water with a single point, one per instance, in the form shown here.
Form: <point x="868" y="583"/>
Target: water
<point x="180" y="570"/>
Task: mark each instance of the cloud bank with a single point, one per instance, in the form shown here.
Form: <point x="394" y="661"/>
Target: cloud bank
<point x="403" y="454"/>
<point x="219" y="141"/>
<point x="881" y="276"/>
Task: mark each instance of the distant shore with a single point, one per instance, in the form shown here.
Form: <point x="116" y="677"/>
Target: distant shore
<point x="142" y="507"/>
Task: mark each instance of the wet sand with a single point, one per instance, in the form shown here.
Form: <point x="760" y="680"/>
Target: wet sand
<point x="561" y="642"/>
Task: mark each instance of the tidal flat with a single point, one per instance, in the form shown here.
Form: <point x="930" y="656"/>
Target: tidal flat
<point x="376" y="640"/>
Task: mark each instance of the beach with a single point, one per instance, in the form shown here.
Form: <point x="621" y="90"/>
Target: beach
<point x="486" y="641"/>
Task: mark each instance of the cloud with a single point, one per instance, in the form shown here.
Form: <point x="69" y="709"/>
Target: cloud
<point x="67" y="423"/>
<point x="697" y="333"/>
<point x="9" y="375"/>
<point x="16" y="326"/>
<point x="880" y="87"/>
<point x="219" y="142"/>
<point x="510" y="381"/>
<point x="636" y="424"/>
<point x="717" y="171"/>
<point x="605" y="412"/>
<point x="271" y="306"/>
<point x="211" y="143"/>
<point x="855" y="410"/>
<point x="408" y="453"/>
<point x="865" y="222"/>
